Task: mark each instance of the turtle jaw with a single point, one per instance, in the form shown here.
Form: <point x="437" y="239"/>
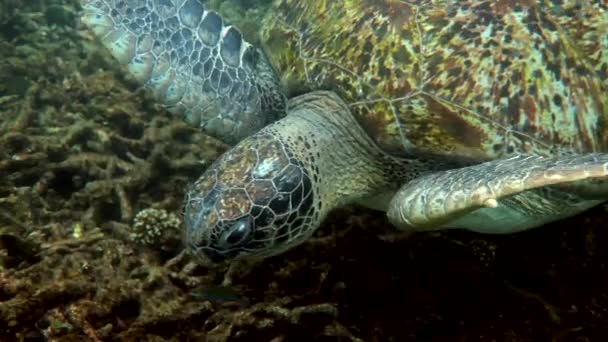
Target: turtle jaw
<point x="256" y="200"/>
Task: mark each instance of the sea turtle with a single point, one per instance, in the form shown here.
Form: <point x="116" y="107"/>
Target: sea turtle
<point x="487" y="115"/>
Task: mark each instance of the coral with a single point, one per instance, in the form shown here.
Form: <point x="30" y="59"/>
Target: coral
<point x="155" y="227"/>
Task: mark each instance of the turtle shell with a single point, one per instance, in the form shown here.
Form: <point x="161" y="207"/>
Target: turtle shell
<point x="474" y="78"/>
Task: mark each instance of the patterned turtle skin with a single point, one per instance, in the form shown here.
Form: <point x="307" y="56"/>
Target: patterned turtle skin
<point x="415" y="87"/>
<point x="469" y="78"/>
<point x="198" y="66"/>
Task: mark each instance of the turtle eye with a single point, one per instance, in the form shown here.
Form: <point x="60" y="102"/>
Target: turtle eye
<point x="237" y="233"/>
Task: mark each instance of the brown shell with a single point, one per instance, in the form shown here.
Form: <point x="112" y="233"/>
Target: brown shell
<point x="468" y="78"/>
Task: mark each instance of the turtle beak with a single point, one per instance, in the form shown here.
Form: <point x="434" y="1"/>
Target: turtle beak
<point x="214" y="255"/>
<point x="218" y="257"/>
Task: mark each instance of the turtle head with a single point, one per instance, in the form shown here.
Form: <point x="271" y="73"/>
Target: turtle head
<point x="256" y="200"/>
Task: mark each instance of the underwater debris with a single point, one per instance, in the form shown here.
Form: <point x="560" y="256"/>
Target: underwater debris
<point x="14" y="250"/>
<point x="220" y="293"/>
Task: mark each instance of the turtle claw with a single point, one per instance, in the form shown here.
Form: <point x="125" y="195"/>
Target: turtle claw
<point x="519" y="192"/>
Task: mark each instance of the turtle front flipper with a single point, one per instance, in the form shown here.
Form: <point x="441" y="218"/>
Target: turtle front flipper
<point x="504" y="195"/>
<point x="196" y="65"/>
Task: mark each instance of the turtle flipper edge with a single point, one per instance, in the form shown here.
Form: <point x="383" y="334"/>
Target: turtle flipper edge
<point x="195" y="64"/>
<point x="504" y="195"/>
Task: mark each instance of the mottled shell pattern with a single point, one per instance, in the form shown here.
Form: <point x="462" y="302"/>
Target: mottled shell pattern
<point x="476" y="79"/>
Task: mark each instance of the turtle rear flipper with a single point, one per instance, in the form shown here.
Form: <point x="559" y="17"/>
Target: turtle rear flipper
<point x="198" y="66"/>
<point x="504" y="195"/>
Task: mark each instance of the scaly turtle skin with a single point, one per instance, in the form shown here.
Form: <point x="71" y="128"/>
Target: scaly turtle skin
<point x="485" y="115"/>
<point x="196" y="65"/>
<point x="469" y="78"/>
